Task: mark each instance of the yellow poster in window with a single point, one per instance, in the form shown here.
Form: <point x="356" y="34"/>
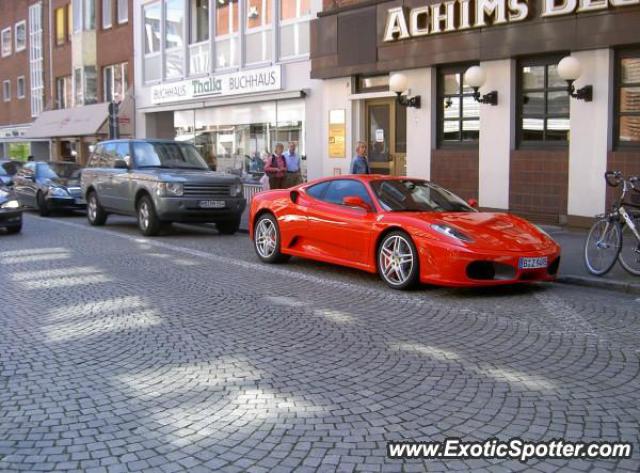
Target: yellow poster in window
<point x="337" y="133"/>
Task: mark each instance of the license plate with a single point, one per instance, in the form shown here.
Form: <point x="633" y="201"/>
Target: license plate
<point x="533" y="263"/>
<point x="212" y="204"/>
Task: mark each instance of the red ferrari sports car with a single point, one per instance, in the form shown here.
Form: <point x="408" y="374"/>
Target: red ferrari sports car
<point x="408" y="230"/>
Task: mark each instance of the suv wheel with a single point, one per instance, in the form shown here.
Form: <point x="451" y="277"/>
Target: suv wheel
<point x="95" y="212"/>
<point x="229" y="227"/>
<point x="43" y="207"/>
<point x="148" y="220"/>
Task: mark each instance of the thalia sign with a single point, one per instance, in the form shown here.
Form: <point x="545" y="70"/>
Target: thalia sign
<point x="235" y="83"/>
<point x="459" y="15"/>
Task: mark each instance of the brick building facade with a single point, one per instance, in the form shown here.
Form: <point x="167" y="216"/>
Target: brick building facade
<point x="77" y="55"/>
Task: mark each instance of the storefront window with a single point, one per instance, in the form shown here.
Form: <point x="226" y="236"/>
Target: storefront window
<point x="63" y="92"/>
<point x="543" y="103"/>
<point x="198" y="36"/>
<point x="628" y="100"/>
<point x="294" y="27"/>
<point x="227" y="37"/>
<point x="152" y="41"/>
<point x="258" y="35"/>
<point x="458" y="111"/>
<point x="174" y="39"/>
<point x="107" y="14"/>
<point x="237" y="139"/>
<point x="77" y="86"/>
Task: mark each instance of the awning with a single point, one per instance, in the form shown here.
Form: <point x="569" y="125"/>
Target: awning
<point x="68" y="122"/>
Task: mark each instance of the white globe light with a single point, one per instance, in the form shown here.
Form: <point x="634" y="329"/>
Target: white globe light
<point x="398" y="83"/>
<point x="569" y="68"/>
<point x="475" y="76"/>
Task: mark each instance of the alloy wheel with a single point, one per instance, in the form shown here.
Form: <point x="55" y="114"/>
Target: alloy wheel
<point x="266" y="238"/>
<point x="396" y="260"/>
<point x="143" y="215"/>
<point x="92" y="208"/>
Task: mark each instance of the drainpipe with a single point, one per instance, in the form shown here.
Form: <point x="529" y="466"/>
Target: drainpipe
<point x="51" y="39"/>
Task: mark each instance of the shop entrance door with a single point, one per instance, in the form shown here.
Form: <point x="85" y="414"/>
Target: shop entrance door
<point x="386" y="123"/>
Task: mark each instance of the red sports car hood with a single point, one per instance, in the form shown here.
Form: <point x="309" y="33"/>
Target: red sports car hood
<point x="493" y="231"/>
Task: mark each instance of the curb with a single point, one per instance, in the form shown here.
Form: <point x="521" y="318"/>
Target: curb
<point x="585" y="281"/>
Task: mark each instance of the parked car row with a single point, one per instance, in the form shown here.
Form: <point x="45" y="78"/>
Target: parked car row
<point x="157" y="181"/>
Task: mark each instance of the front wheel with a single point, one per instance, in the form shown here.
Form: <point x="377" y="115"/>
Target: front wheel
<point x="95" y="212"/>
<point x="629" y="255"/>
<point x="43" y="206"/>
<point x="229" y="227"/>
<point x="398" y="263"/>
<point x="266" y="240"/>
<point x="148" y="220"/>
<point x="602" y="246"/>
<point x="14" y="229"/>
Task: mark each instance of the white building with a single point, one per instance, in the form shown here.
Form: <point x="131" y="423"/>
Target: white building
<point x="232" y="76"/>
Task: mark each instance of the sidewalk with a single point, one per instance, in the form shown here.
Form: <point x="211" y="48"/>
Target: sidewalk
<point x="573" y="271"/>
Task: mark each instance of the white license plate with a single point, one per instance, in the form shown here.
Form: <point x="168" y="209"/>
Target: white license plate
<point x="212" y="204"/>
<point x="533" y="263"/>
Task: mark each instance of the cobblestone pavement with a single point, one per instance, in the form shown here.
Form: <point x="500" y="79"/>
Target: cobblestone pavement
<point x="183" y="353"/>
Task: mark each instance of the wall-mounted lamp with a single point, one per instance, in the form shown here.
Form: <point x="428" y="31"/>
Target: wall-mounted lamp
<point x="570" y="69"/>
<point x="399" y="83"/>
<point x="475" y="77"/>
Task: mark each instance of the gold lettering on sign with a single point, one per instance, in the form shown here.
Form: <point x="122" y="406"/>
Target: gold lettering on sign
<point x="448" y="16"/>
<point x="590" y="5"/>
<point x="518" y="10"/>
<point x="465" y="14"/>
<point x="624" y="3"/>
<point x="492" y="8"/>
<point x="419" y="21"/>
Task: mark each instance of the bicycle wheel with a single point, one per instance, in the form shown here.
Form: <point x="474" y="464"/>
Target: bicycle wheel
<point x="629" y="255"/>
<point x="602" y="246"/>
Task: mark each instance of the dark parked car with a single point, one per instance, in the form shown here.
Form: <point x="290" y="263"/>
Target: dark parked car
<point x="48" y="186"/>
<point x="159" y="182"/>
<point x="8" y="169"/>
<point x="10" y="211"/>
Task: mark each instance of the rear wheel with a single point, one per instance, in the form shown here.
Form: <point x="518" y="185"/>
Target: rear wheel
<point x="602" y="246"/>
<point x="629" y="255"/>
<point x="95" y="212"/>
<point x="398" y="264"/>
<point x="148" y="220"/>
<point x="229" y="227"/>
<point x="43" y="206"/>
<point x="266" y="240"/>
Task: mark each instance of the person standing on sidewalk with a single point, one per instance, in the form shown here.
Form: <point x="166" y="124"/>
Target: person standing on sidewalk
<point x="294" y="176"/>
<point x="276" y="168"/>
<point x="359" y="164"/>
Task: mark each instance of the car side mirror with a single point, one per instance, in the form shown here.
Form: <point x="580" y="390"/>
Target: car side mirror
<point x="473" y="203"/>
<point x="355" y="201"/>
<point x="120" y="164"/>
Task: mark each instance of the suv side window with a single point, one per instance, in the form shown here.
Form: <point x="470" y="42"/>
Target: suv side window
<point x="94" y="162"/>
<point x="342" y="188"/>
<point x="122" y="151"/>
<point x="109" y="155"/>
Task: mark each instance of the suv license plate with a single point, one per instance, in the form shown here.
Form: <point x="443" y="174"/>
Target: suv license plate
<point x="533" y="263"/>
<point x="212" y="204"/>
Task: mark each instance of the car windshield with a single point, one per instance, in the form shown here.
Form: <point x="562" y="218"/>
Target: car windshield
<point x="59" y="170"/>
<point x="167" y="155"/>
<point x="408" y="195"/>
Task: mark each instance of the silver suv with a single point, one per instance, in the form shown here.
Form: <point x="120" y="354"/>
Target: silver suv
<point x="159" y="182"/>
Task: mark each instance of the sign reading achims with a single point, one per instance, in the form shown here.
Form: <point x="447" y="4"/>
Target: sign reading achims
<point x="460" y="15"/>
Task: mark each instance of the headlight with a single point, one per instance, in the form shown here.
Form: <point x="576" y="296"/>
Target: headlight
<point x="170" y="189"/>
<point x="58" y="192"/>
<point x="12" y="204"/>
<point x="451" y="232"/>
<point x="236" y="189"/>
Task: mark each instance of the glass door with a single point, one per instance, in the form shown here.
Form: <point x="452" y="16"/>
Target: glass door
<point x="386" y="136"/>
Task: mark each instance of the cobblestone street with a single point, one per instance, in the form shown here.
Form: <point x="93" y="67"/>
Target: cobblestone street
<point x="184" y="353"/>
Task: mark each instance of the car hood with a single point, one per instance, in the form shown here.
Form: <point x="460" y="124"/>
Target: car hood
<point x="189" y="176"/>
<point x="6" y="195"/>
<point x="64" y="182"/>
<point x="492" y="231"/>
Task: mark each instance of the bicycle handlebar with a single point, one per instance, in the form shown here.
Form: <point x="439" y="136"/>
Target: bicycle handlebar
<point x="613" y="178"/>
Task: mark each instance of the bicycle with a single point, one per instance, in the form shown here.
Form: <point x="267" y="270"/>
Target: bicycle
<point x="615" y="235"/>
